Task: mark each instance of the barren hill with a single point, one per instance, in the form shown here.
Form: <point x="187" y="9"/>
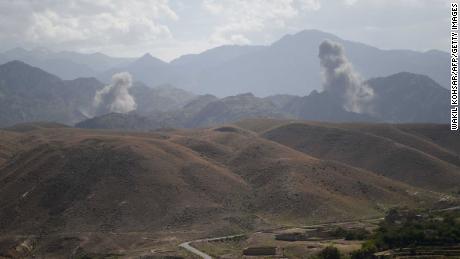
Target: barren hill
<point x="399" y="152"/>
<point x="55" y="179"/>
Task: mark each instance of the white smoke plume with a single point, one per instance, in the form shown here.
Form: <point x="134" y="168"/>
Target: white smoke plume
<point x="115" y="97"/>
<point x="341" y="80"/>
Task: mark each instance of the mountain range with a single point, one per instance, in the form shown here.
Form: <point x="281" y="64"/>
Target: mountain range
<point x="288" y="66"/>
<point x="400" y="98"/>
<point x="65" y="64"/>
<point x="31" y="94"/>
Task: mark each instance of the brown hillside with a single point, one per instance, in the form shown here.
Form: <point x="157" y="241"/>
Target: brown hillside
<point x="67" y="180"/>
<point x="419" y="155"/>
<point x="62" y="188"/>
<point x="75" y="180"/>
<point x="442" y="143"/>
<point x="8" y="145"/>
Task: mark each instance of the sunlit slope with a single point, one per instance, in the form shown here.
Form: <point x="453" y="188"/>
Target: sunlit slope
<point x="419" y="155"/>
<point x="71" y="180"/>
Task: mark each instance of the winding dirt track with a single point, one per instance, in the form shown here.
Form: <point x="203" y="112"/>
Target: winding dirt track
<point x="188" y="247"/>
<point x="195" y="251"/>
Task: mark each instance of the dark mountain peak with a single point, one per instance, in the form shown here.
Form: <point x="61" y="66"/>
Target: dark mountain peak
<point x="20" y="67"/>
<point x="147" y="56"/>
<point x="20" y="74"/>
<point x="314" y="93"/>
<point x="408" y="80"/>
<point x="246" y="95"/>
<point x="15" y="63"/>
<point x="409" y="75"/>
<point x="148" y="60"/>
<point x="99" y="55"/>
<point x="409" y="97"/>
<point x="207" y="96"/>
<point x="247" y="98"/>
<point x="199" y="102"/>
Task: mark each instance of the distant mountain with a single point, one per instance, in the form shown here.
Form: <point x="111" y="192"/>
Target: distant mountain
<point x="234" y="108"/>
<point x="288" y="66"/>
<point x="66" y="64"/>
<point x="323" y="107"/>
<point x="282" y="100"/>
<point x="187" y="69"/>
<point x="161" y="98"/>
<point x="291" y="66"/>
<point x="96" y="61"/>
<point x="47" y="61"/>
<point x="30" y="94"/>
<point x="198" y="103"/>
<point x="201" y="111"/>
<point x="407" y="97"/>
<point x="403" y="97"/>
<point x="147" y="69"/>
<point x="214" y="57"/>
<point x="184" y="71"/>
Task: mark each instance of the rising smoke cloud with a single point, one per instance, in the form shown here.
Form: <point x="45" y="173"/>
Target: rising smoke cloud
<point x="115" y="97"/>
<point x="341" y="80"/>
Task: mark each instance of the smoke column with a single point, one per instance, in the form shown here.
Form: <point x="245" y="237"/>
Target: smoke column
<point x="340" y="79"/>
<point x="115" y="97"/>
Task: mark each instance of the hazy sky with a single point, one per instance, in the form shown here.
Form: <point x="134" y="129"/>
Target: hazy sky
<point x="168" y="29"/>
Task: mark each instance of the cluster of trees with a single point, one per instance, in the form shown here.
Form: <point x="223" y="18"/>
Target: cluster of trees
<point x="351" y="234"/>
<point x="406" y="228"/>
<point x="402" y="228"/>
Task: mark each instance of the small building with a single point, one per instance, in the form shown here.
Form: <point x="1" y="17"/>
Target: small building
<point x="260" y="251"/>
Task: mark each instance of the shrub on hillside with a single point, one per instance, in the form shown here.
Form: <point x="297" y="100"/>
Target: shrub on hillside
<point x="329" y="252"/>
<point x="351" y="234"/>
